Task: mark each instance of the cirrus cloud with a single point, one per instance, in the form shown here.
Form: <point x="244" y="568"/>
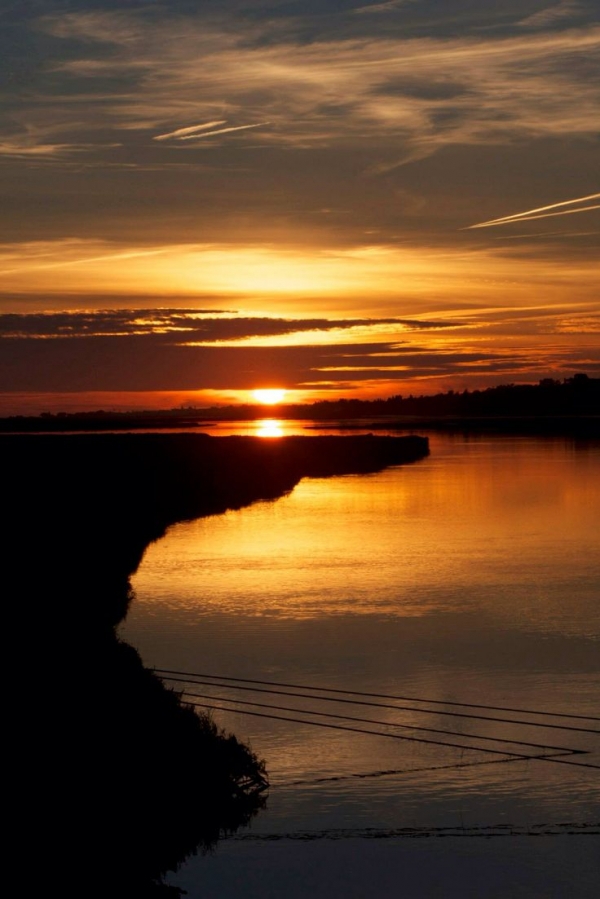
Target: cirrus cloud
<point x="417" y="93"/>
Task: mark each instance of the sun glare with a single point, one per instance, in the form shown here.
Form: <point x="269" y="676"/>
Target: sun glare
<point x="269" y="396"/>
<point x="269" y="427"/>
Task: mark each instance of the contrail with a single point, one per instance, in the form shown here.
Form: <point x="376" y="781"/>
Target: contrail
<point x="179" y="133"/>
<point x="223" y="131"/>
<point x="532" y="218"/>
<point x="547" y="234"/>
<point x="507" y="219"/>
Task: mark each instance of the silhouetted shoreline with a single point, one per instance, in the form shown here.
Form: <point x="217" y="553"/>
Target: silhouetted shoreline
<point x="551" y="425"/>
<point x="555" y="425"/>
<point x="125" y="781"/>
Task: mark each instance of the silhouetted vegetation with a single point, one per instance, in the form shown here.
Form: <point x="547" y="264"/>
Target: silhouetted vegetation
<point x="116" y="780"/>
<point x="184" y="783"/>
<point x="579" y="395"/>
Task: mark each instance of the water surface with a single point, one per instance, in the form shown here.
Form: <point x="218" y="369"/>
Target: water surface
<point x="470" y="577"/>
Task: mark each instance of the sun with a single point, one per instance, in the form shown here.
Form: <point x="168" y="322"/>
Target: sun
<point x="269" y="396"/>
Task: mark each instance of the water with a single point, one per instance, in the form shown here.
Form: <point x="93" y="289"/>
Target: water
<point x="470" y="577"/>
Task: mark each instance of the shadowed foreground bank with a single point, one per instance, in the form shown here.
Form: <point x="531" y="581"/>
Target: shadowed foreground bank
<point x="118" y="781"/>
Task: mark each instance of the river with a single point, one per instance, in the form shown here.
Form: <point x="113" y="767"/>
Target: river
<point x="455" y="602"/>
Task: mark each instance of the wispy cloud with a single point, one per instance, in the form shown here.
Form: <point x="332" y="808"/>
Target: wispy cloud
<point x="194" y="327"/>
<point x="42" y="255"/>
<point x="19" y="150"/>
<point x="390" y="6"/>
<point x="39" y="142"/>
<point x="396" y="281"/>
<point x="566" y="9"/>
<point x="412" y="94"/>
<point x="541" y="212"/>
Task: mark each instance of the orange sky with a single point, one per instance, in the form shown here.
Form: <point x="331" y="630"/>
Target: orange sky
<point x="377" y="199"/>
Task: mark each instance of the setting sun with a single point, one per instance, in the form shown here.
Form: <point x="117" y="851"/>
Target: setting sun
<point x="269" y="396"/>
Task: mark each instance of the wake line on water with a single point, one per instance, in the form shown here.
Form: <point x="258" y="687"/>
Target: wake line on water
<point x="391" y="772"/>
<point x="375" y="833"/>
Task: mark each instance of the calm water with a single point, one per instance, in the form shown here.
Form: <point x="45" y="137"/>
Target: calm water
<point x="470" y="577"/>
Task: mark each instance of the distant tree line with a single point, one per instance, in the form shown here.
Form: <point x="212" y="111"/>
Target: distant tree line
<point x="579" y="395"/>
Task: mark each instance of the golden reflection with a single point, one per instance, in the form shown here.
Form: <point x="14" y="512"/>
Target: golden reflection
<point x="269" y="427"/>
<point x="464" y="530"/>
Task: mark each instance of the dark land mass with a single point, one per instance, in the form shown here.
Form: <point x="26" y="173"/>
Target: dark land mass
<point x="571" y="406"/>
<point x="116" y="780"/>
<point x="579" y="427"/>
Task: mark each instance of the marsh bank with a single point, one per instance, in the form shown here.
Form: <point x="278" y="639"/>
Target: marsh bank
<point x="127" y="783"/>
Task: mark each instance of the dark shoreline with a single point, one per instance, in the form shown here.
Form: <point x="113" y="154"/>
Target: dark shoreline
<point x="555" y="425"/>
<point x="125" y="781"/>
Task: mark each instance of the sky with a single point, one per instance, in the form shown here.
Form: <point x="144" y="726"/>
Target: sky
<point x="338" y="197"/>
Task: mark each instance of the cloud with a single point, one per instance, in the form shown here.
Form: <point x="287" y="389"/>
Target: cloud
<point x="566" y="9"/>
<point x="43" y="255"/>
<point x="166" y="349"/>
<point x="388" y="280"/>
<point x="390" y="6"/>
<point x="153" y="363"/>
<point x="38" y="143"/>
<point x="196" y="327"/>
<point x="18" y="150"/>
<point x="414" y="95"/>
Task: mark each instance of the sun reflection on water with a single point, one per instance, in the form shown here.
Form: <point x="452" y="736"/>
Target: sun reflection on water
<point x="269" y="427"/>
